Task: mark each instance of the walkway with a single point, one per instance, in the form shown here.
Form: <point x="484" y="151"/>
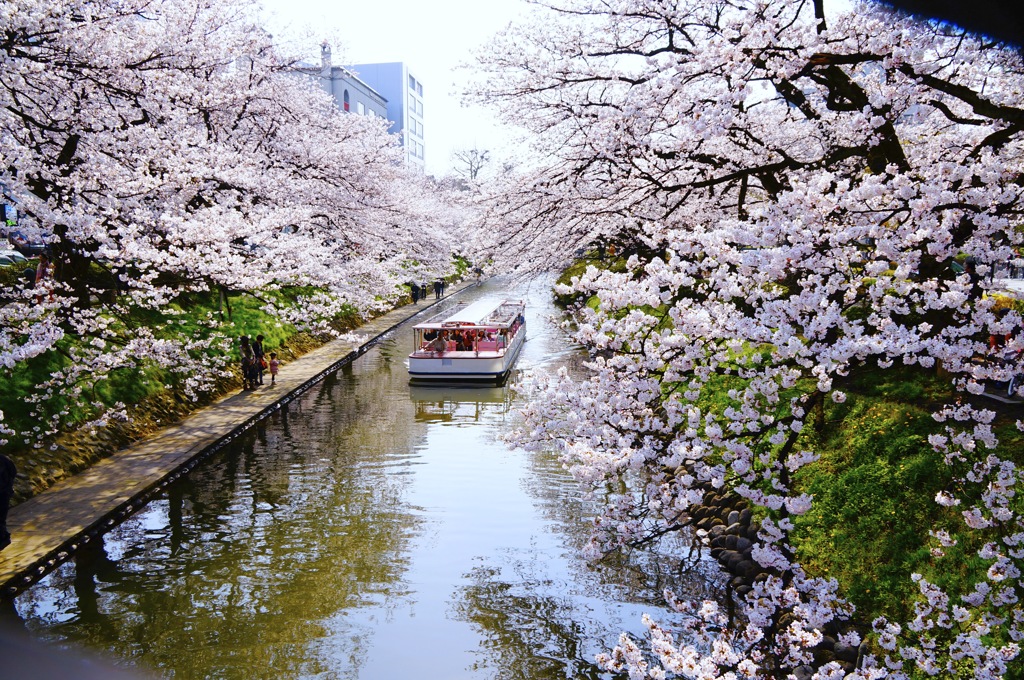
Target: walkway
<point x="48" y="528"/>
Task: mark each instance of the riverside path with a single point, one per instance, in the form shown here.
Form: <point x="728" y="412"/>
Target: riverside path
<point x="48" y="528"/>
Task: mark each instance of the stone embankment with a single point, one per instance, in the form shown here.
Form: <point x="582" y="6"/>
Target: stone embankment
<point x="726" y="525"/>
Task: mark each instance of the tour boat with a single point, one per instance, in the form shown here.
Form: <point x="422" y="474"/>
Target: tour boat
<point x="476" y="343"/>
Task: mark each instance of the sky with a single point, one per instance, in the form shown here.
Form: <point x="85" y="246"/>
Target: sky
<point x="433" y="37"/>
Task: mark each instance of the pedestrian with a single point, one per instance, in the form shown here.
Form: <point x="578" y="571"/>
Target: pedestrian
<point x="444" y="284"/>
<point x="248" y="359"/>
<point x="437" y="289"/>
<point x="971" y="269"/>
<point x="415" y="289"/>
<point x="7" y="474"/>
<point x="261" y="359"/>
<point x="44" y="271"/>
<point x="274" y="365"/>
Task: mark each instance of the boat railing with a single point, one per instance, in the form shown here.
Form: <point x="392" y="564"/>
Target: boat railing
<point x="505" y="314"/>
<point x="427" y="349"/>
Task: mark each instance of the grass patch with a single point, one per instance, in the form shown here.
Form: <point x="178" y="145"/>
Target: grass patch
<point x="874" y="489"/>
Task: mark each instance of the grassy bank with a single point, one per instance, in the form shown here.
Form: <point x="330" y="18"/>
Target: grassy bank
<point x="153" y="396"/>
<point x="874" y="493"/>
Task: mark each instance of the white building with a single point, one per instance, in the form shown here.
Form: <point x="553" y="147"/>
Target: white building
<point x="349" y="92"/>
<point x="404" y="95"/>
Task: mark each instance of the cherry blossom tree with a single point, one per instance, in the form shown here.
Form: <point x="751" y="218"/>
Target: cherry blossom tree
<point x="172" y="144"/>
<point x="788" y="198"/>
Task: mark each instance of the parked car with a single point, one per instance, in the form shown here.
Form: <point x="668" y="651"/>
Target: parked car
<point x="26" y="246"/>
<point x="13" y="255"/>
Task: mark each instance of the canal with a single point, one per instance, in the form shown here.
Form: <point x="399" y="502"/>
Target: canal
<point x="368" y="529"/>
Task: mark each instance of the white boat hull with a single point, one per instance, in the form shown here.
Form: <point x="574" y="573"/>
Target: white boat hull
<point x="489" y="367"/>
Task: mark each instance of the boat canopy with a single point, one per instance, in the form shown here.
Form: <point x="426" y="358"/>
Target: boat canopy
<point x="489" y="313"/>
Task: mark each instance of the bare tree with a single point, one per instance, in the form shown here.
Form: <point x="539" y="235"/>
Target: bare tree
<point x="469" y="162"/>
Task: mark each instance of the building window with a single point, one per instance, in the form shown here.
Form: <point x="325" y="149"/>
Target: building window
<point x="419" y="89"/>
<point x="360" y="109"/>
<point x="415" y="149"/>
<point x="412" y="83"/>
<point x="344" y="100"/>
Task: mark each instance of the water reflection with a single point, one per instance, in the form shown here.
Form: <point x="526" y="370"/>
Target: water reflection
<point x="528" y="631"/>
<point x="238" y="566"/>
<point x="443" y="404"/>
<point x="367" y="530"/>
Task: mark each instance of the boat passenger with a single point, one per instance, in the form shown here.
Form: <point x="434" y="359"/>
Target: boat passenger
<point x="438" y="344"/>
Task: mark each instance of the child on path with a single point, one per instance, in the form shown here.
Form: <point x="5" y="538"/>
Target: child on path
<point x="274" y="364"/>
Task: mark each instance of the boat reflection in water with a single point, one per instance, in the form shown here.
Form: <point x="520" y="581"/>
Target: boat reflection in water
<point x="454" y="402"/>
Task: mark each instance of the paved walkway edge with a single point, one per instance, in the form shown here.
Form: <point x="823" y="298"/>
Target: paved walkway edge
<point x="50" y="527"/>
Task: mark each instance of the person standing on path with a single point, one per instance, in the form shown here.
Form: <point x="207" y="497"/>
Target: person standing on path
<point x="415" y="290"/>
<point x="438" y="286"/>
<point x="7" y="474"/>
<point x="248" y="361"/>
<point x="274" y="366"/>
<point x="261" y="361"/>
